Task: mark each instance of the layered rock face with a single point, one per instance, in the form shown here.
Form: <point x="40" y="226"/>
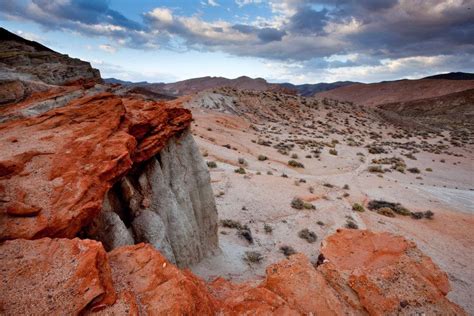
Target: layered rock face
<point x="31" y="61"/>
<point x="362" y="273"/>
<point x="167" y="202"/>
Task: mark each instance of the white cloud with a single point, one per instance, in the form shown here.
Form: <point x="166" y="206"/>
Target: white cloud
<point x="163" y="15"/>
<point x="212" y="3"/>
<point x="108" y="48"/>
<point x="242" y="3"/>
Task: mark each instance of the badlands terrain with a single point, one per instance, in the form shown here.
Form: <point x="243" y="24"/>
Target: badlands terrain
<point x="345" y="154"/>
<point x="221" y="197"/>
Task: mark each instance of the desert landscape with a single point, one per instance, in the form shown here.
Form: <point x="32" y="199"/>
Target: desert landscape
<point x="221" y="196"/>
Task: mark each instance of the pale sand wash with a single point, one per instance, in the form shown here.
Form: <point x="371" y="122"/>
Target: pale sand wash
<point x="258" y="199"/>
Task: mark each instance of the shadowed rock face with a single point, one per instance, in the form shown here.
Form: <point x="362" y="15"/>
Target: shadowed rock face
<point x="167" y="202"/>
<point x="32" y="61"/>
<point x="363" y="273"/>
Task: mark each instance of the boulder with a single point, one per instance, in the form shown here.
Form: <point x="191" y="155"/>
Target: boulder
<point x="54" y="277"/>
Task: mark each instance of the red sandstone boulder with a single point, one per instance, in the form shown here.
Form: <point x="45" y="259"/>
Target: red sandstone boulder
<point x="53" y="277"/>
<point x="56" y="167"/>
<point x="388" y="274"/>
<point x="160" y="288"/>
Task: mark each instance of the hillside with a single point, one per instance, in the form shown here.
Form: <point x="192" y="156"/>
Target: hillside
<point x="453" y="76"/>
<point x="195" y="85"/>
<point x="375" y="94"/>
<point x="308" y="90"/>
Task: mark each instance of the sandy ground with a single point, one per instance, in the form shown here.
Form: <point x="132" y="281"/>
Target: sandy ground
<point x="257" y="198"/>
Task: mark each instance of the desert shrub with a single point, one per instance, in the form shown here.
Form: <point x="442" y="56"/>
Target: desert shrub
<point x="297" y="203"/>
<point x="328" y="185"/>
<point x="395" y="207"/>
<point x="417" y="215"/>
<point x="211" y="164"/>
<point x="346" y="187"/>
<point x="269" y="173"/>
<point x="311" y="189"/>
<point x="230" y="223"/>
<point x="332" y="151"/>
<point x="375" y="169"/>
<point x="295" y="164"/>
<point x="267" y="228"/>
<point x="246" y="234"/>
<point x="351" y="225"/>
<point x="308" y="235"/>
<point x="358" y="208"/>
<point x="253" y="256"/>
<point x="413" y="170"/>
<point x="240" y="170"/>
<point x="429" y="214"/>
<point x="294" y="156"/>
<point x="400" y="168"/>
<point x="429" y="169"/>
<point x="386" y="211"/>
<point x="308" y="206"/>
<point x="287" y="250"/>
<point x="320" y="223"/>
<point x="242" y="161"/>
<point x="376" y="150"/>
<point x="262" y="157"/>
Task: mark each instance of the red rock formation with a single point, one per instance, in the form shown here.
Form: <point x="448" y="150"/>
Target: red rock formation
<point x="159" y="287"/>
<point x="363" y="273"/>
<point x="53" y="277"/>
<point x="56" y="167"/>
<point x="388" y="274"/>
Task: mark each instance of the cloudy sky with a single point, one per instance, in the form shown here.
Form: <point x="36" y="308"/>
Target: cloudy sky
<point x="288" y="40"/>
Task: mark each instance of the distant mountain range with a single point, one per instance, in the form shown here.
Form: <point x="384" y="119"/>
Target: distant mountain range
<point x="245" y="83"/>
<point x="308" y="90"/>
<point x="402" y="91"/>
<point x="194" y="85"/>
<point x="453" y="76"/>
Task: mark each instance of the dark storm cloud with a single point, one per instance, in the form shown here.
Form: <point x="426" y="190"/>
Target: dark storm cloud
<point x="308" y="21"/>
<point x="265" y="34"/>
<point x="83" y="16"/>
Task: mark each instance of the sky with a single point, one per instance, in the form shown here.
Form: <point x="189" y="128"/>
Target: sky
<point x="293" y="41"/>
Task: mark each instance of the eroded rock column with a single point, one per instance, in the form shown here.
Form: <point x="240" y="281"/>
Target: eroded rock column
<point x="167" y="202"/>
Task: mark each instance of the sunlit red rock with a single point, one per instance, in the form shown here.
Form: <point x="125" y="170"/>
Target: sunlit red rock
<point x="160" y="288"/>
<point x="363" y="273"/>
<point x="56" y="167"/>
<point x="388" y="274"/>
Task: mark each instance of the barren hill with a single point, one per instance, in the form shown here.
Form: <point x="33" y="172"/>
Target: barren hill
<point x="195" y="85"/>
<point x="396" y="91"/>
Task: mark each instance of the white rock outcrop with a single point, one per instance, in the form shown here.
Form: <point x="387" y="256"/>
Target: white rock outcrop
<point x="167" y="202"/>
